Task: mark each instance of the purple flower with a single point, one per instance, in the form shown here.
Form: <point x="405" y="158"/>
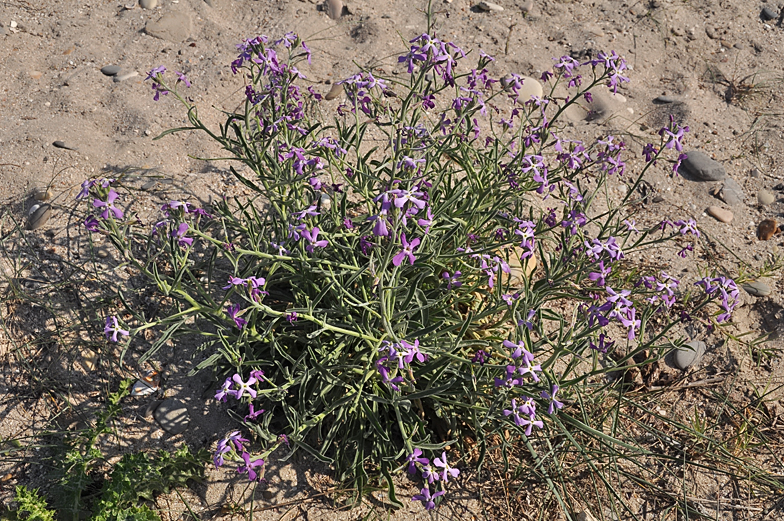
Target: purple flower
<point x="92" y="224"/>
<point x="179" y="234"/>
<point x="153" y="74"/>
<point x="252" y="414"/>
<point x="599" y="277"/>
<point x="451" y="281"/>
<point x="249" y="465"/>
<point x="108" y="206"/>
<point x="291" y="317"/>
<point x="312" y="237"/>
<point x="365" y="245"/>
<point x="414" y="458"/>
<point x="223" y="448"/>
<point x="224" y="391"/>
<point x="554" y="404"/>
<point x="85" y="191"/>
<point x="181" y="77"/>
<point x="233" y="310"/>
<point x="689" y="226"/>
<point x="447" y="470"/>
<point x="237" y="440"/>
<point x="426" y="498"/>
<point x="528" y="322"/>
<point x="112" y="328"/>
<point x="243" y="387"/>
<point x="480" y="357"/>
<point x="310" y="211"/>
<point x="603" y="345"/>
<point x="407" y="251"/>
<point x="674" y="138"/>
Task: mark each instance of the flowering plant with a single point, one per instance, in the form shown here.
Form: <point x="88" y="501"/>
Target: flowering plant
<point x="411" y="299"/>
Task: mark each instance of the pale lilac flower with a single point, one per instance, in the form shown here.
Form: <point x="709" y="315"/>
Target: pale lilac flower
<point x="252" y="414"/>
<point x="108" y="205"/>
<point x="312" y="237"/>
<point x="224" y="391"/>
<point x="243" y="387"/>
<point x="181" y="77"/>
<point x="92" y="224"/>
<point x="85" y="191"/>
<point x="415" y="458"/>
<point x="112" y="329"/>
<point x="447" y="470"/>
<point x="179" y="234"/>
<point x="451" y="280"/>
<point x="223" y="448"/>
<point x="233" y="310"/>
<point x="249" y="465"/>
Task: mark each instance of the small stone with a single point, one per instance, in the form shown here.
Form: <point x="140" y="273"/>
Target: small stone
<point x="172" y="415"/>
<point x="126" y="76"/>
<point x="767" y="229"/>
<point x="779" y="187"/>
<point x="334" y="91"/>
<point x="711" y="32"/>
<point x="42" y="194"/>
<point x="61" y="144"/>
<point x="757" y="288"/>
<point x="765" y="198"/>
<point x="174" y="27"/>
<point x="527" y="6"/>
<point x="720" y="214"/>
<point x="490" y="6"/>
<point x="519" y="270"/>
<point x="732" y="193"/>
<point x="325" y="202"/>
<point x="530" y="87"/>
<point x="689" y="354"/>
<point x="36" y="75"/>
<point x="148" y="4"/>
<point x="110" y="70"/>
<point x="38" y="215"/>
<point x="768" y="14"/>
<point x="702" y="167"/>
<point x="754" y="172"/>
<point x="661" y="100"/>
<point x="334" y="9"/>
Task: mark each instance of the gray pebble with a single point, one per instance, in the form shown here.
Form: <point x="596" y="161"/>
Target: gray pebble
<point x="42" y="194"/>
<point x="174" y="27"/>
<point x="666" y="99"/>
<point x="689" y="354"/>
<point x="151" y="408"/>
<point x="765" y="198"/>
<point x="126" y="76"/>
<point x="110" y="70"/>
<point x="148" y="4"/>
<point x="38" y="216"/>
<point x="732" y="193"/>
<point x="711" y="32"/>
<point x="754" y="172"/>
<point x="334" y="91"/>
<point x="702" y="167"/>
<point x="757" y="288"/>
<point x="172" y="416"/>
<point x="60" y="144"/>
<point x="768" y="14"/>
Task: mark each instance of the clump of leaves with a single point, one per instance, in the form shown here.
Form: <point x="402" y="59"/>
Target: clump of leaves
<point x="30" y="506"/>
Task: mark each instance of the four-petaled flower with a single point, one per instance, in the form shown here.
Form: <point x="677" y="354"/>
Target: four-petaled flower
<point x="447" y="470"/>
<point x="233" y="310"/>
<point x="108" y="205"/>
<point x="407" y="251"/>
<point x="243" y="387"/>
<point x="112" y="328"/>
<point x="554" y="404"/>
<point x="415" y="458"/>
<point x="427" y="499"/>
<point x="249" y="465"/>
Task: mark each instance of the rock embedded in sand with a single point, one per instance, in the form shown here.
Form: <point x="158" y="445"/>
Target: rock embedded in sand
<point x="691" y="353"/>
<point x="334" y="91"/>
<point x="527" y="6"/>
<point x="172" y="415"/>
<point x="757" y="288"/>
<point x="490" y="6"/>
<point x="148" y="4"/>
<point x="720" y="214"/>
<point x="732" y="193"/>
<point x="39" y="215"/>
<point x="126" y="76"/>
<point x="42" y="194"/>
<point x="110" y="70"/>
<point x="530" y="87"/>
<point x="663" y="100"/>
<point x="174" y="27"/>
<point x="699" y="165"/>
<point x="767" y="229"/>
<point x="768" y="14"/>
<point x="62" y="144"/>
<point x="765" y="198"/>
<point x="334" y="9"/>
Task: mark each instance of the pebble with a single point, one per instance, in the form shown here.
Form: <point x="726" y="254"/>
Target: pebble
<point x="689" y="354"/>
<point x="520" y="271"/>
<point x="334" y="9"/>
<point x="604" y="104"/>
<point x="61" y="144"/>
<point x="110" y="70"/>
<point x="36" y="75"/>
<point x="720" y="214"/>
<point x="767" y="229"/>
<point x="666" y="99"/>
<point x="765" y="198"/>
<point x="711" y="32"/>
<point x="530" y="87"/>
<point x="757" y="288"/>
<point x="732" y="193"/>
<point x="174" y="27"/>
<point x="699" y="165"/>
<point x="490" y="6"/>
<point x="126" y="76"/>
<point x="527" y="6"/>
<point x="768" y="14"/>
<point x="172" y="416"/>
<point x="42" y="194"/>
<point x="38" y="215"/>
<point x="334" y="91"/>
<point x="148" y="4"/>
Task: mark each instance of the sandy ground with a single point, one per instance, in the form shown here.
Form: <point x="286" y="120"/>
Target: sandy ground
<point x="717" y="62"/>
